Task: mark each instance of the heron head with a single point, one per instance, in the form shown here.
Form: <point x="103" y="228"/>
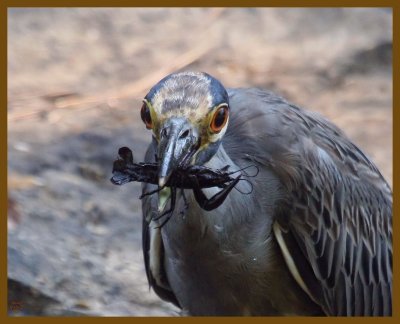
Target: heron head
<point x="188" y="114"/>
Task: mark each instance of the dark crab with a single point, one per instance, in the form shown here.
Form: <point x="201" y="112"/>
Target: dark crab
<point x="193" y="177"/>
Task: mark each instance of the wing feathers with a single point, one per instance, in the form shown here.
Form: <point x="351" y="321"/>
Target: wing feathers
<point x="338" y="213"/>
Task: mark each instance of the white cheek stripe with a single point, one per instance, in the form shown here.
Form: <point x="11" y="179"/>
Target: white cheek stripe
<point x="289" y="260"/>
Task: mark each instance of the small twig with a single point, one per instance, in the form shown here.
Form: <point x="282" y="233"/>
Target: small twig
<point x="25" y="115"/>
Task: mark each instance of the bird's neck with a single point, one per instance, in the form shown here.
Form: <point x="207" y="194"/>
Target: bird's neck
<point x="221" y="160"/>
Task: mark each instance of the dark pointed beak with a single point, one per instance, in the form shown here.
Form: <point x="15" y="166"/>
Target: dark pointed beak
<point x="178" y="143"/>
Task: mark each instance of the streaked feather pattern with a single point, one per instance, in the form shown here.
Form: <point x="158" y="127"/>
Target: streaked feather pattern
<point x="338" y="209"/>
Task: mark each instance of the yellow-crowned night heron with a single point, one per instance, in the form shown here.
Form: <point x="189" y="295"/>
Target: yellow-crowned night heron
<point x="313" y="236"/>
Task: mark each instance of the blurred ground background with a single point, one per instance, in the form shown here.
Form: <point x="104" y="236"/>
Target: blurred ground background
<point x="76" y="78"/>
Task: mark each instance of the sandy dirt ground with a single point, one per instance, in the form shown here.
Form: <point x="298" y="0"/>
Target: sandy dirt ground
<point x="76" y="78"/>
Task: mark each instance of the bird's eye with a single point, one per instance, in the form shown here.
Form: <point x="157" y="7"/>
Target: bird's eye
<point x="219" y="119"/>
<point x="146" y="116"/>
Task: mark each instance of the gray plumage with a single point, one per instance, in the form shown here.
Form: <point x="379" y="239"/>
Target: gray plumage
<point x="314" y="237"/>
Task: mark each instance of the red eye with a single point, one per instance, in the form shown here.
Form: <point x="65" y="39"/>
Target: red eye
<point x="219" y="119"/>
<point x="146" y="116"/>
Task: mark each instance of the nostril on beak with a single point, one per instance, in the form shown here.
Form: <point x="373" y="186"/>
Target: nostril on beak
<point x="184" y="134"/>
